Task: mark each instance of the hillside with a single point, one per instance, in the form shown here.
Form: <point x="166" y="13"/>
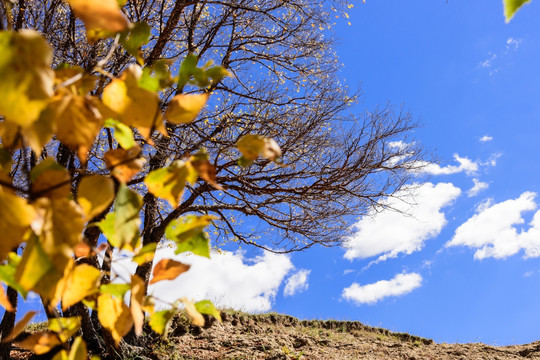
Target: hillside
<point x="281" y="337"/>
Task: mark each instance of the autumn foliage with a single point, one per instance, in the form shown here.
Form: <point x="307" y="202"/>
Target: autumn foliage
<point x="45" y="211"/>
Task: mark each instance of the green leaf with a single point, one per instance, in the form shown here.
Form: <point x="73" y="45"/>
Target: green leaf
<point x="132" y="40"/>
<point x="159" y="321"/>
<point x="511" y="6"/>
<point x="217" y="73"/>
<point x="187" y="69"/>
<point x="7" y="274"/>
<point x="121" y="227"/>
<point x="65" y="327"/>
<point x="189" y="235"/>
<point x="116" y="290"/>
<point x="169" y="183"/>
<point x="156" y="77"/>
<point x="146" y="254"/>
<point x="122" y="133"/>
<point x="78" y="350"/>
<point x="206" y="307"/>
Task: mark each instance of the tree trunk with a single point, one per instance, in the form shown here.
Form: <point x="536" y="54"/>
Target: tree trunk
<point x="7" y="324"/>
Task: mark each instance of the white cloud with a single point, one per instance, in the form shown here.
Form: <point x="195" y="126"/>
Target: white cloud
<point x="401" y="284"/>
<point x="513" y="44"/>
<point x="297" y="282"/>
<point x="228" y="279"/>
<point x="477" y="188"/>
<point x="486" y="138"/>
<point x="493" y="231"/>
<point x="417" y="219"/>
<point x="465" y="165"/>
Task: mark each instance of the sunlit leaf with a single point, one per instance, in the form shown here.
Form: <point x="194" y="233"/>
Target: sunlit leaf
<point x="16" y="216"/>
<point x="4" y="301"/>
<point x="61" y="355"/>
<point x="134" y="105"/>
<point x="183" y="109"/>
<point x="156" y="77"/>
<point x="217" y="73"/>
<point x="101" y="15"/>
<point x="188" y="234"/>
<point x="19" y="326"/>
<point x="78" y="79"/>
<point x="40" y="343"/>
<point x="116" y="290"/>
<point x="27" y="78"/>
<point x="204" y="168"/>
<point x="83" y="281"/>
<point x="138" y="290"/>
<point x="7" y="273"/>
<point x="145" y="254"/>
<point x="511" y="6"/>
<point x="160" y="320"/>
<point x="132" y="41"/>
<point x="115" y="316"/>
<point x="50" y="179"/>
<point x="35" y="264"/>
<point x="168" y="269"/>
<point x="253" y="146"/>
<point x="78" y="122"/>
<point x="169" y="183"/>
<point x="122" y="133"/>
<point x="194" y="315"/>
<point x="124" y="164"/>
<point x="78" y="350"/>
<point x="187" y="69"/>
<point x="65" y="327"/>
<point x="206" y="307"/>
<point x="121" y="227"/>
<point x="41" y="131"/>
<point x="95" y="193"/>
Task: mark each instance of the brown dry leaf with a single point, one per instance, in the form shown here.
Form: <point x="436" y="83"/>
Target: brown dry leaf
<point x="40" y="343"/>
<point x="195" y="316"/>
<point x="124" y="164"/>
<point x="168" y="269"/>
<point x="137" y="298"/>
<point x="19" y="326"/>
<point x="4" y="301"/>
<point x="50" y="179"/>
<point x="206" y="170"/>
<point x="183" y="109"/>
<point x="101" y="15"/>
<point x="133" y="105"/>
<point x="82" y="250"/>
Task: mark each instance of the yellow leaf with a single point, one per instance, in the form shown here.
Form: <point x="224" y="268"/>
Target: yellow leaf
<point x="168" y="269"/>
<point x="133" y="105"/>
<point x="95" y="193"/>
<point x="4" y="301"/>
<point x="16" y="216"/>
<point x="115" y="316"/>
<point x="137" y="297"/>
<point x="101" y="15"/>
<point x="65" y="327"/>
<point x="61" y="355"/>
<point x="169" y="183"/>
<point x="83" y="281"/>
<point x="50" y="179"/>
<point x="124" y="164"/>
<point x="27" y="78"/>
<point x="145" y="254"/>
<point x="19" y="326"/>
<point x="195" y="316"/>
<point x="78" y="350"/>
<point x="40" y="343"/>
<point x="78" y="122"/>
<point x="183" y="109"/>
<point x="253" y="146"/>
<point x="41" y="131"/>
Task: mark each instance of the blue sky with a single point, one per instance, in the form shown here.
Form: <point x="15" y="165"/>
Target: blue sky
<point x="466" y="266"/>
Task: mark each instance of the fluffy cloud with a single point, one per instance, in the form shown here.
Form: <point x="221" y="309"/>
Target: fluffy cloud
<point x="486" y="138"/>
<point x="401" y="284"/>
<point x="297" y="282"/>
<point x="228" y="279"/>
<point x="465" y="165"/>
<point x="417" y="219"/>
<point x="493" y="231"/>
<point x="478" y="187"/>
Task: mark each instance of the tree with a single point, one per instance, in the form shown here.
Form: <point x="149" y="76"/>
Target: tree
<point x="127" y="115"/>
